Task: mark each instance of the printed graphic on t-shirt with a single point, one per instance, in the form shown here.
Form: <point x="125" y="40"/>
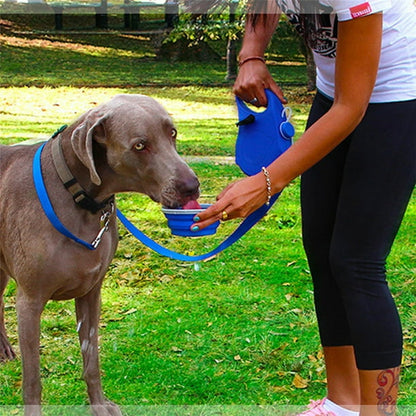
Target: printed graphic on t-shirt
<point x="314" y="22"/>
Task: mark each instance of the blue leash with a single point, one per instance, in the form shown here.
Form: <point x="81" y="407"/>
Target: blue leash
<point x="262" y="138"/>
<point x="46" y="202"/>
<point x="43" y="196"/>
<point x="245" y="226"/>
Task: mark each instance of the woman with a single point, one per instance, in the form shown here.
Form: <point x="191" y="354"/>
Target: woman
<point x="358" y="164"/>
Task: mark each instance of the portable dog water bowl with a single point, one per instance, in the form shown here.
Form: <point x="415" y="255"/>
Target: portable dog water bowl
<point x="180" y="221"/>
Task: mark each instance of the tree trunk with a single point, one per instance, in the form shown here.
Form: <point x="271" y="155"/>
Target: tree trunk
<point x="310" y="64"/>
<point x="231" y="46"/>
<point x="231" y="60"/>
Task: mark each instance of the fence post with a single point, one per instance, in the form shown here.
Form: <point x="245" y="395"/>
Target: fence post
<point x="101" y="16"/>
<point x="171" y="13"/>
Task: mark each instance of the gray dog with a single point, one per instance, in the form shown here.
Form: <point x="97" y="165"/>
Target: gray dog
<point x="127" y="144"/>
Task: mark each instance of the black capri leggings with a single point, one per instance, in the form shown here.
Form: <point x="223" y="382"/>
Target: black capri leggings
<point x="353" y="202"/>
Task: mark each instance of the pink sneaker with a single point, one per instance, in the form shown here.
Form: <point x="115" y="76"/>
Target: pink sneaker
<point x="316" y="408"/>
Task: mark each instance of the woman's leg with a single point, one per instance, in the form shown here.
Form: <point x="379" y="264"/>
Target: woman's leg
<point x="379" y="390"/>
<point x="320" y="192"/>
<point x="353" y="302"/>
<point x="379" y="176"/>
<point x="343" y="383"/>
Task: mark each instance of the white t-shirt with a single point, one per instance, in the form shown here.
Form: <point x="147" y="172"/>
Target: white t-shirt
<point x="318" y="20"/>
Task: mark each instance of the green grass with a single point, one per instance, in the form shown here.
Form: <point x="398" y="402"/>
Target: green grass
<point x="236" y="330"/>
<point x="117" y="59"/>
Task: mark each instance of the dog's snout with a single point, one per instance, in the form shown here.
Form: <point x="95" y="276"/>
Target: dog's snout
<point x="188" y="186"/>
<point x="181" y="188"/>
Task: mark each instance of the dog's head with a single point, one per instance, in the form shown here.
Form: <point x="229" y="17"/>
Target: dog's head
<point x="129" y="144"/>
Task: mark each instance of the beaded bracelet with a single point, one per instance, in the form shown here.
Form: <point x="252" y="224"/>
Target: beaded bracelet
<point x="268" y="185"/>
<point x="251" y="58"/>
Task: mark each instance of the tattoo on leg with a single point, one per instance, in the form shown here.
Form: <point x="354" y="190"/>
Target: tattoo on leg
<point x="388" y="382"/>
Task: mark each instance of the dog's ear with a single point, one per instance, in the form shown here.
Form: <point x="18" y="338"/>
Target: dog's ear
<point x="92" y="128"/>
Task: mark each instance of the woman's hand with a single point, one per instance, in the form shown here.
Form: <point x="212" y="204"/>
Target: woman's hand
<point x="253" y="75"/>
<point x="253" y="78"/>
<point x="237" y="200"/>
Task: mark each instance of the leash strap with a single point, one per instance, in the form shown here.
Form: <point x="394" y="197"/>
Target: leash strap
<point x="242" y="229"/>
<point x="42" y="193"/>
<point x="46" y="203"/>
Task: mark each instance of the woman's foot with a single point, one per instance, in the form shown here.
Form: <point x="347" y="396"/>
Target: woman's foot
<point x="316" y="408"/>
<point x="326" y="407"/>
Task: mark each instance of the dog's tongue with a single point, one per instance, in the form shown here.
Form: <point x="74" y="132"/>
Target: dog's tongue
<point x="192" y="205"/>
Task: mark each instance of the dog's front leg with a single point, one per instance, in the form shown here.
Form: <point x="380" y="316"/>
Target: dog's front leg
<point x="88" y="314"/>
<point x="29" y="311"/>
<point x="6" y="351"/>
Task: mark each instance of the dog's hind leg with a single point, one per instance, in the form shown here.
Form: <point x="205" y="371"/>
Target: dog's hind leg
<point x="6" y="351"/>
<point x="88" y="314"/>
<point x="29" y="311"/>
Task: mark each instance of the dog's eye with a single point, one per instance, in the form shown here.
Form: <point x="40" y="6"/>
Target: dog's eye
<point x="139" y="146"/>
<point x="174" y="133"/>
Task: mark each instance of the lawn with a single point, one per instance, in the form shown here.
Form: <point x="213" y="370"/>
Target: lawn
<point x="238" y="330"/>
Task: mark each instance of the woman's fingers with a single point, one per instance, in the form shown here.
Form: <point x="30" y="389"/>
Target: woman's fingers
<point x="237" y="200"/>
<point x="214" y="213"/>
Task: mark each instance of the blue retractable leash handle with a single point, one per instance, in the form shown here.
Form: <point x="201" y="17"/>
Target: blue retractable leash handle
<point x="262" y="137"/>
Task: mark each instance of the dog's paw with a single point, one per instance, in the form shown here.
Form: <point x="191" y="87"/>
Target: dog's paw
<point x="106" y="409"/>
<point x="6" y="351"/>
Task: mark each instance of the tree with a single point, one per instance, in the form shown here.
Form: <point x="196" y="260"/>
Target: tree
<point x="213" y="20"/>
<point x="310" y="64"/>
<point x="195" y="29"/>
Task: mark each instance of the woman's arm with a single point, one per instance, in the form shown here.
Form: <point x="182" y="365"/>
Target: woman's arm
<point x="358" y="52"/>
<point x="253" y="76"/>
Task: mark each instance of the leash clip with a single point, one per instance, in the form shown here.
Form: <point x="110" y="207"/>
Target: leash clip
<point x="104" y="222"/>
